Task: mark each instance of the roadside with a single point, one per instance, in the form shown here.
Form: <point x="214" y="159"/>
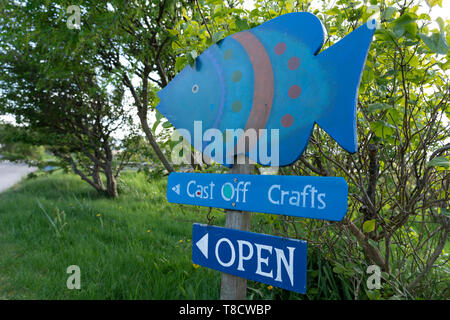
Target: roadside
<point x="137" y="246"/>
<point x="11" y="173"/>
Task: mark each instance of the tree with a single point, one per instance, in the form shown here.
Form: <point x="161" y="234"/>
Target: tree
<point x="19" y="151"/>
<point x="131" y="42"/>
<point x="59" y="98"/>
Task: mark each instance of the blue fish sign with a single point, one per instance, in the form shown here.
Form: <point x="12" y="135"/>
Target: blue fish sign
<point x="265" y="88"/>
<point x="276" y="261"/>
<point x="300" y="196"/>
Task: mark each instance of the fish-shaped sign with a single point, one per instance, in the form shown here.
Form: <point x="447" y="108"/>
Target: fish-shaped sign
<point x="271" y="79"/>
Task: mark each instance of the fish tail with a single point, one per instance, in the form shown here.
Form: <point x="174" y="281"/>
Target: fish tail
<point x="344" y="63"/>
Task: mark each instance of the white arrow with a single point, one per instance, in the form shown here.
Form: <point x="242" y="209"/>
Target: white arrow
<point x="176" y="189"/>
<point x="202" y="244"/>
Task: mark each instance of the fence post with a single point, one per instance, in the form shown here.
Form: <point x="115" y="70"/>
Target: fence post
<point x="232" y="287"/>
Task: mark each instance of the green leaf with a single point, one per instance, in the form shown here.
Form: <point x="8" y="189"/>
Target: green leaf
<point x="333" y="12"/>
<point x="173" y="32"/>
<point x="411" y="29"/>
<point x="439" y="162"/>
<point x="414" y="61"/>
<point x="373" y="294"/>
<point x="378" y="107"/>
<point x="180" y="63"/>
<point x="217" y="36"/>
<point x="339" y="269"/>
<point x="167" y="124"/>
<point x="388" y="13"/>
<point x="406" y="23"/>
<point x="241" y="24"/>
<point x="382" y="128"/>
<point x="369" y="226"/>
<point x="436" y="42"/>
<point x="445" y="212"/>
<point x="441" y="24"/>
<point x="190" y="56"/>
<point x="384" y="35"/>
<point x="159" y="116"/>
<point x="432" y="3"/>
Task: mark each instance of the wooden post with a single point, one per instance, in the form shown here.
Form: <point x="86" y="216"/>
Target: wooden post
<point x="232" y="287"/>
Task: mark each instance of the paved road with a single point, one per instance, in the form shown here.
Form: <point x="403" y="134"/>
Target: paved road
<point x="11" y="173"/>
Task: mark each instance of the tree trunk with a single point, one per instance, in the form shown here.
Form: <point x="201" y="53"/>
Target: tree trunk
<point x="142" y="107"/>
<point x="151" y="139"/>
<point x="111" y="182"/>
<point x="96" y="176"/>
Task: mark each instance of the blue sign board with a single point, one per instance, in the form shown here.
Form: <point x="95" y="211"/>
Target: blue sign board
<point x="276" y="261"/>
<point x="300" y="196"/>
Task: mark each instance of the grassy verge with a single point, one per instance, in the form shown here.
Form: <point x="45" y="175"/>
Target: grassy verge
<point x="135" y="247"/>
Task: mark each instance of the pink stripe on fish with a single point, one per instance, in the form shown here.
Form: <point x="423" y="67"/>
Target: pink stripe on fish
<point x="264" y="83"/>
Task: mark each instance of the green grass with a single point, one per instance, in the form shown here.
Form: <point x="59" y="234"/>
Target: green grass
<point x="135" y="247"/>
<point x="117" y="256"/>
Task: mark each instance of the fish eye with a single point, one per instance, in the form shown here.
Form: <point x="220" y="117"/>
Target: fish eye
<point x="195" y="88"/>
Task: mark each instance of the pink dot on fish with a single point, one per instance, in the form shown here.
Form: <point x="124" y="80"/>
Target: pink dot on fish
<point x="236" y="76"/>
<point x="294" y="91"/>
<point x="293" y="63"/>
<point x="236" y="106"/>
<point x="280" y="48"/>
<point x="228" y="54"/>
<point x="287" y="120"/>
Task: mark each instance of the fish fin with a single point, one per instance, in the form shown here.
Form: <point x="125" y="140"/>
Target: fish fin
<point x="298" y="141"/>
<point x="344" y="63"/>
<point x="304" y="26"/>
<point x="280" y="151"/>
